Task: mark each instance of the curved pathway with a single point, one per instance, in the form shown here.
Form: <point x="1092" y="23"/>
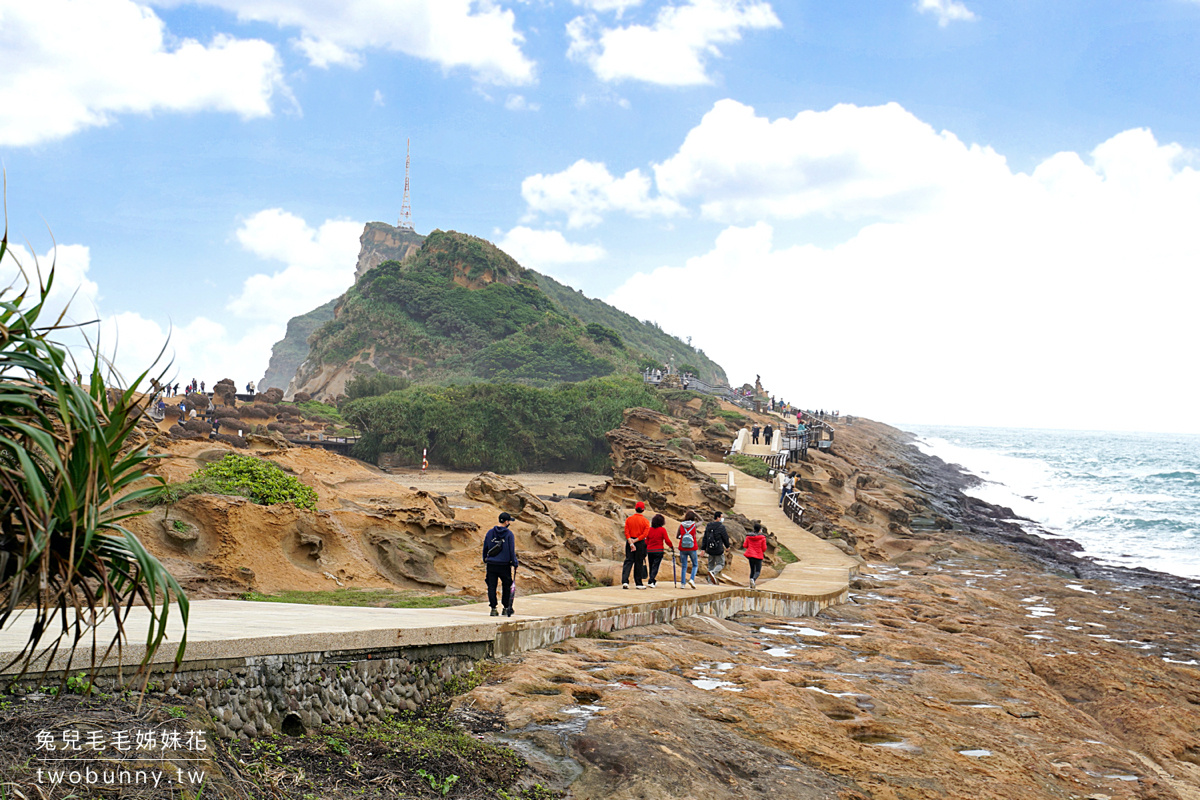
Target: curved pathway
<point x="235" y="629"/>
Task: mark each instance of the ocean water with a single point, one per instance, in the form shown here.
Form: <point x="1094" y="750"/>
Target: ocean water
<point x="1131" y="499"/>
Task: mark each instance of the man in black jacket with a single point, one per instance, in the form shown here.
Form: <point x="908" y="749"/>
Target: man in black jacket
<point x="500" y="558"/>
<point x="715" y="543"/>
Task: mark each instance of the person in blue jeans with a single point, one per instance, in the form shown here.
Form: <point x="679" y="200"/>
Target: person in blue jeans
<point x="689" y="550"/>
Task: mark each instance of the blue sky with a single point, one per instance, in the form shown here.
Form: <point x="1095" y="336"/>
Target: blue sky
<point x="967" y="212"/>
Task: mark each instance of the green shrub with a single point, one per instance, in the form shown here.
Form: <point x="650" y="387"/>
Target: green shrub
<point x="604" y="334"/>
<point x="317" y="411"/>
<point x="374" y="384"/>
<point x="667" y="429"/>
<point x="732" y="416"/>
<point x="754" y="467"/>
<point x="260" y="481"/>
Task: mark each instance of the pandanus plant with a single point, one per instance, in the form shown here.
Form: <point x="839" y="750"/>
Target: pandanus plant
<point x="67" y="473"/>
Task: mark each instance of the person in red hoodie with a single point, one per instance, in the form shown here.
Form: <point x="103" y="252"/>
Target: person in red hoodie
<point x="656" y="540"/>
<point x="689" y="550"/>
<point x="755" y="545"/>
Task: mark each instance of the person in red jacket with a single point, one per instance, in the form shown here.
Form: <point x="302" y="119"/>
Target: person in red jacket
<point x="689" y="550"/>
<point x="636" y="528"/>
<point x="755" y="546"/>
<point x="656" y="541"/>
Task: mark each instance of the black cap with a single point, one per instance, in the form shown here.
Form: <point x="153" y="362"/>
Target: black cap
<point x="506" y="517"/>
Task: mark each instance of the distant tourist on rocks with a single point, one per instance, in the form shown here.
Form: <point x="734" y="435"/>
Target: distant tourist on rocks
<point x="500" y="559"/>
<point x="250" y="387"/>
<point x="715" y="543"/>
<point x="767" y="433"/>
<point x="657" y="541"/>
<point x="689" y="550"/>
<point x="176" y="392"/>
<point x="636" y="529"/>
<point x="754" y="434"/>
<point x="201" y="386"/>
<point x="755" y="546"/>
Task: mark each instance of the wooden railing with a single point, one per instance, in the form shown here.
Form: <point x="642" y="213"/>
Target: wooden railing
<point x="793" y="509"/>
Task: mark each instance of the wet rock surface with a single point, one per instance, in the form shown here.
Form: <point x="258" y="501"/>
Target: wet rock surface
<point x="980" y="676"/>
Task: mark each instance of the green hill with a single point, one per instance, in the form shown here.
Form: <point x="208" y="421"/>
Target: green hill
<point x="460" y="310"/>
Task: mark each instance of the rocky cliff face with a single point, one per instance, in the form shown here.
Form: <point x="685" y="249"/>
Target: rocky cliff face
<point x="289" y="352"/>
<point x="381" y="242"/>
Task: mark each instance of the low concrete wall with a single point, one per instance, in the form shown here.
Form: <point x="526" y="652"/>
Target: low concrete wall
<point x="532" y="635"/>
<point x="251" y="693"/>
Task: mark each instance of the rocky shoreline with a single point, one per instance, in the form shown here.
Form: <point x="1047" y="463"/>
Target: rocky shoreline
<point x="975" y="660"/>
<point x="949" y="483"/>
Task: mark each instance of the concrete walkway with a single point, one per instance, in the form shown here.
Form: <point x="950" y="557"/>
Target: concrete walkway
<point x="233" y="629"/>
<point x="820" y="565"/>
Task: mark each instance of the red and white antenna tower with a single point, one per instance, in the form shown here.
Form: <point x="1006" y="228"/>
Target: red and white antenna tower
<point x="405" y="220"/>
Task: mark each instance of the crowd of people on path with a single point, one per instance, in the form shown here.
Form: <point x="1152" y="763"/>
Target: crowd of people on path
<point x="646" y="543"/>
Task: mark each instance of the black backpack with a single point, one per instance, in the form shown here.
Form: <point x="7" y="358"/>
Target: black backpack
<point x="712" y="541"/>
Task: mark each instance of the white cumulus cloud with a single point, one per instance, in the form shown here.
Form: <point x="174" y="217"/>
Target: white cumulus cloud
<point x="517" y="102"/>
<point x="1055" y="298"/>
<point x="675" y="49"/>
<point x="476" y="35"/>
<point x="617" y="6"/>
<point x="848" y="162"/>
<point x="68" y="65"/>
<point x="547" y="250"/>
<point x="318" y="265"/>
<point x="947" y="11"/>
<point x="586" y="190"/>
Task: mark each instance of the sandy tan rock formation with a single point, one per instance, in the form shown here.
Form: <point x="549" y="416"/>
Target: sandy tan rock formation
<point x="648" y="470"/>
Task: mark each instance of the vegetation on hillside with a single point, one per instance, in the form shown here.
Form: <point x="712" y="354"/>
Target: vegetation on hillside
<point x="67" y="452"/>
<point x="502" y="427"/>
<point x="645" y="337"/>
<point x="373" y="384"/>
<point x="462" y="310"/>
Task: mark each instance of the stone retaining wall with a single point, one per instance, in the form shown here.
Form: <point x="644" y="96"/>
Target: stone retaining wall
<point x="288" y="693"/>
<point x="261" y="695"/>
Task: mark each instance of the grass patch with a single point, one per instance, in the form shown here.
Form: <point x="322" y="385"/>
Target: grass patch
<point x="754" y="467"/>
<point x="367" y="598"/>
<point x="732" y="416"/>
<point x="667" y="430"/>
<point x="785" y="555"/>
<point x="583" y="578"/>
